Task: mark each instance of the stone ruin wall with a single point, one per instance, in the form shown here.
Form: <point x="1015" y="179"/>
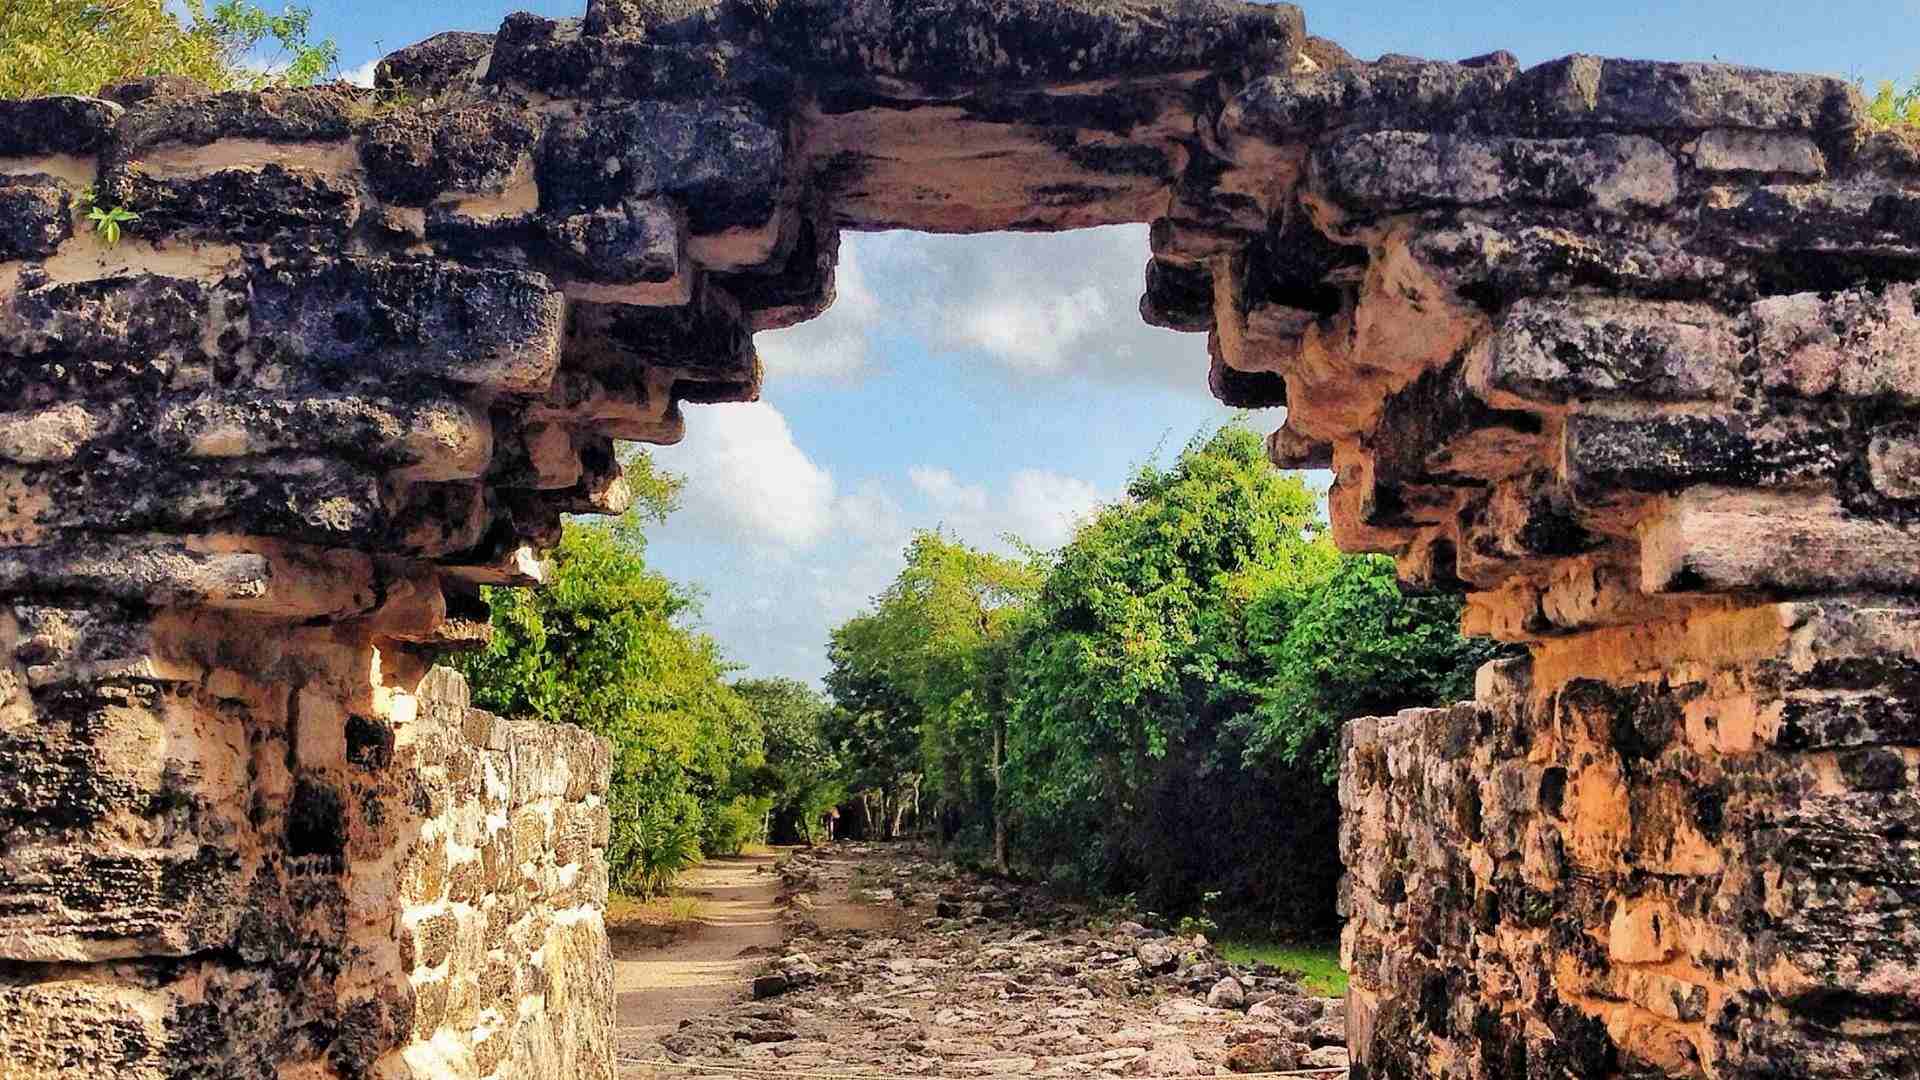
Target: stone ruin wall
<point x="1624" y="351"/>
<point x="224" y="876"/>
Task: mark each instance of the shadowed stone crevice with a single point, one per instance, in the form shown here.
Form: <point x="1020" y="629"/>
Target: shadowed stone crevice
<point x="1623" y="350"/>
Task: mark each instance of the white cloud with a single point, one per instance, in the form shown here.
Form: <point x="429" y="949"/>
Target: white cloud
<point x="1027" y="332"/>
<point x="838" y="343"/>
<point x="1039" y="506"/>
<point x="747" y="480"/>
<point x="1056" y="305"/>
<point x="870" y="514"/>
<point x="946" y="491"/>
<point x="785" y="557"/>
<point x="1044" y="506"/>
<point x="362" y="75"/>
<point x="1062" y="305"/>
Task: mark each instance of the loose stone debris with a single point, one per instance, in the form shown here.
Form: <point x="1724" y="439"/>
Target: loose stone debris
<point x="963" y="975"/>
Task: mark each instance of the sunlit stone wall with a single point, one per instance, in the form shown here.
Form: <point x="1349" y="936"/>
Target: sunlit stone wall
<point x="1622" y="350"/>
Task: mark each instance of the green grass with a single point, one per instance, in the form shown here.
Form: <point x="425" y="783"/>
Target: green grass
<point x="667" y="912"/>
<point x="1318" y="966"/>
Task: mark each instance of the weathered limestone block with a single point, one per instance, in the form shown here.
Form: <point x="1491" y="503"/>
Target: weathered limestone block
<point x="1697" y="871"/>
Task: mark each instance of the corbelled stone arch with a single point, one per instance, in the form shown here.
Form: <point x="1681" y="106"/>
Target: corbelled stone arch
<point x="1622" y="350"/>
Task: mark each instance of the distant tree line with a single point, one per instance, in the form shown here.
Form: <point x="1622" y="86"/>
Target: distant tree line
<point x="1151" y="710"/>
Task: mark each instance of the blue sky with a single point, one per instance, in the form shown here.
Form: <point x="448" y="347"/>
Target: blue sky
<point x="1005" y="383"/>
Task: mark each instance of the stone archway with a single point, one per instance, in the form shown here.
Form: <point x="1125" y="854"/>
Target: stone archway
<point x="1623" y="350"/>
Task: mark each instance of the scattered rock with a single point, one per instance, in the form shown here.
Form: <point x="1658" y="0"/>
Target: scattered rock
<point x="1168" y="1059"/>
<point x="1227" y="994"/>
<point x="1012" y="982"/>
<point x="1154" y="957"/>
<point x="1265" y="1055"/>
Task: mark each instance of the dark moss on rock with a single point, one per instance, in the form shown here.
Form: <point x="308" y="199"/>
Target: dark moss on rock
<point x="442" y="62"/>
<point x="36" y="214"/>
<point x="414" y="155"/>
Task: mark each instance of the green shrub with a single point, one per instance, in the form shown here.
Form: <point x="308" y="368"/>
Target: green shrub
<point x="740" y="822"/>
<point x="1892" y="107"/>
<point x="605" y="646"/>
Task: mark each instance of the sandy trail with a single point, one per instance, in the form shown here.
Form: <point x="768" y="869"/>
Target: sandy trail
<point x="711" y="966"/>
<point x="707" y="968"/>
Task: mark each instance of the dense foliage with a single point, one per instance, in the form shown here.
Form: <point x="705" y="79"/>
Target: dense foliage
<point x="800" y="776"/>
<point x="605" y="645"/>
<point x="82" y="46"/>
<point x="923" y="687"/>
<point x="1150" y="710"/>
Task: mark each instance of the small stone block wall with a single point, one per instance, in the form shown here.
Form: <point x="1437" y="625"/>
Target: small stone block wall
<point x="1705" y="865"/>
<point x="504" y="897"/>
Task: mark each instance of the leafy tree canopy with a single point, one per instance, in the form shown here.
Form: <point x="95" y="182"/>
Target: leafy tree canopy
<point x="604" y="645"/>
<point x="82" y="46"/>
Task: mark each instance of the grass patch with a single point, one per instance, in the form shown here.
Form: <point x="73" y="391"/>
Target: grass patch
<point x="1317" y="966"/>
<point x="651" y="922"/>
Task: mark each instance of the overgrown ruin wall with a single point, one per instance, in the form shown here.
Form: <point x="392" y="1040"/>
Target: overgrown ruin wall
<point x="1624" y="350"/>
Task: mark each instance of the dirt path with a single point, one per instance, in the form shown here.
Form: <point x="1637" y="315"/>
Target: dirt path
<point x="708" y="968"/>
<point x="886" y="962"/>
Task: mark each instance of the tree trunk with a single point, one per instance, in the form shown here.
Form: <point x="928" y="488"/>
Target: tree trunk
<point x="999" y="803"/>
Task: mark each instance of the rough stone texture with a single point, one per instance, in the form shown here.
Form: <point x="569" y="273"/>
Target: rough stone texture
<point x="1684" y="850"/>
<point x="235" y="853"/>
<point x="1619" y="348"/>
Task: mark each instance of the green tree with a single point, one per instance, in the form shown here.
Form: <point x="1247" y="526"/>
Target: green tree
<point x="1137" y="657"/>
<point x="81" y="46"/>
<point x="1356" y="647"/>
<point x="801" y="774"/>
<point x="950" y="617"/>
<point x="874" y="725"/>
<point x="603" y="645"/>
<point x="1183" y="673"/>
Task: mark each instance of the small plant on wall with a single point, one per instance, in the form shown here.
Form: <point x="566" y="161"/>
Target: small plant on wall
<point x="107" y="221"/>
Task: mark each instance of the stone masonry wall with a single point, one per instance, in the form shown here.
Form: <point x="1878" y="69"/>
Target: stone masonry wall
<point x="1704" y="863"/>
<point x="205" y="873"/>
<point x="504" y="896"/>
<point x="1625" y="351"/>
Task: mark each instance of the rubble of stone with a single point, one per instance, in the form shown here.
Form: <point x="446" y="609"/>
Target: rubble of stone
<point x="1622" y="350"/>
<point x="962" y="975"/>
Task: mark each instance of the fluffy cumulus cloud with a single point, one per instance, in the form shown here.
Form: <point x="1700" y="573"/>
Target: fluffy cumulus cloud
<point x="1036" y="306"/>
<point x="748" y="481"/>
<point x="1043" y="507"/>
<point x="783" y="555"/>
<point x="946" y="491"/>
<point x="1039" y="506"/>
<point x="361" y="75"/>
